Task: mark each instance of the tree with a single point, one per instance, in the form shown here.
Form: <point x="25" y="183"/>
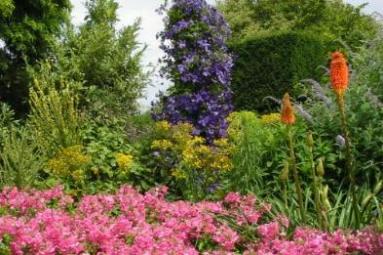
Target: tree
<point x="109" y="59"/>
<point x="28" y="30"/>
<point x="104" y="60"/>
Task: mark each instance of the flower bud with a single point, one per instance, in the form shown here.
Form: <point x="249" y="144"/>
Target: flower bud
<point x="324" y="196"/>
<point x="284" y="176"/>
<point x="320" y="167"/>
<point x="287" y="114"/>
<point x="310" y="139"/>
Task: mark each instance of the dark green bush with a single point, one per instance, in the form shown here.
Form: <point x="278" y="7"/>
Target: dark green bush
<point x="272" y="65"/>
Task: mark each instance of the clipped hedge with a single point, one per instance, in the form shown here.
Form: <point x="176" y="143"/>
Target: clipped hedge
<point x="271" y="65"/>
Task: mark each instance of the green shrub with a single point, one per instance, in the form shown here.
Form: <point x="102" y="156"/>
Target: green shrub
<point x="364" y="101"/>
<point x="185" y="163"/>
<point x="326" y="18"/>
<point x="110" y="151"/>
<point x="254" y="157"/>
<point x="273" y="65"/>
<point x="109" y="60"/>
<point x="20" y="159"/>
<point x="7" y="120"/>
<point x="55" y="118"/>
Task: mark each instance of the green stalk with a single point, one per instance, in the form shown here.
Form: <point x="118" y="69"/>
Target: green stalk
<point x="295" y="174"/>
<point x="323" y="203"/>
<point x="284" y="177"/>
<point x="349" y="158"/>
<point x="316" y="185"/>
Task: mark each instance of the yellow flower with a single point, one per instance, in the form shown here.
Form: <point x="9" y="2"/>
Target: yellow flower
<point x="182" y="134"/>
<point x="179" y="174"/>
<point x="271" y="118"/>
<point x="124" y="161"/>
<point x="161" y="144"/>
<point x="78" y="175"/>
<point x="68" y="160"/>
<point x="162" y="126"/>
<point x="198" y="155"/>
<point x="222" y="162"/>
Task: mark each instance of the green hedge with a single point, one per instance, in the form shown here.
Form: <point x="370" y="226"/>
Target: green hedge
<point x="271" y="65"/>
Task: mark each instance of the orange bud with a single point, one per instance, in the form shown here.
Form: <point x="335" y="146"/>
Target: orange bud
<point x="287" y="114"/>
<point x="339" y="73"/>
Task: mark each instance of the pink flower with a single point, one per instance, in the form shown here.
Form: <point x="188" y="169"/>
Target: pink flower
<point x="232" y="197"/>
<point x="269" y="231"/>
<point x="132" y="223"/>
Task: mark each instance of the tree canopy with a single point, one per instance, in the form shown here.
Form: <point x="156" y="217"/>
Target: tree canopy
<point x="28" y="31"/>
<point x="332" y="19"/>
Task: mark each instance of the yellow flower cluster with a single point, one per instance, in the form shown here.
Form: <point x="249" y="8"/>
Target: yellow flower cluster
<point x="179" y="174"/>
<point x="181" y="134"/>
<point x="162" y="126"/>
<point x="271" y="118"/>
<point x="173" y="137"/>
<point x="161" y="144"/>
<point x="124" y="161"/>
<point x="69" y="161"/>
<point x="200" y="156"/>
<point x="192" y="150"/>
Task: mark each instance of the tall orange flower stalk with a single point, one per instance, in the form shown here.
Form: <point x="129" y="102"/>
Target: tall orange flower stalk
<point x="339" y="75"/>
<point x="287" y="115"/>
<point x="288" y="118"/>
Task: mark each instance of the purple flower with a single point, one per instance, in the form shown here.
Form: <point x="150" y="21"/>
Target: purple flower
<point x="198" y="62"/>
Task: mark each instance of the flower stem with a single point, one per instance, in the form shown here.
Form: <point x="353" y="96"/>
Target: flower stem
<point x="316" y="184"/>
<point x="349" y="158"/>
<point x="295" y="174"/>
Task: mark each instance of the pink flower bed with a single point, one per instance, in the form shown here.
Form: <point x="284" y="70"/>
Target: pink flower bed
<point x="50" y="222"/>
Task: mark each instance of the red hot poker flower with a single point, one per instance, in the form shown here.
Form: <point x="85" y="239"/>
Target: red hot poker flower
<point x="339" y="73"/>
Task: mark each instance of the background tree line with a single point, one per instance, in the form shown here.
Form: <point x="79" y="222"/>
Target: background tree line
<point x="104" y="62"/>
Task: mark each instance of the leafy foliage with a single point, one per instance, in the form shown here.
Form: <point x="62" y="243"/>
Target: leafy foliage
<point x="272" y="65"/>
<point x="29" y="30"/>
<point x="256" y="152"/>
<point x="330" y="19"/>
<point x="277" y="44"/>
<point x="98" y="49"/>
<point x="55" y="118"/>
<point x="20" y="159"/>
<point x="185" y="162"/>
<point x="6" y="8"/>
<point x="7" y="120"/>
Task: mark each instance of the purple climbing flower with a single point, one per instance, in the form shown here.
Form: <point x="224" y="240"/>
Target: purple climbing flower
<point x="198" y="62"/>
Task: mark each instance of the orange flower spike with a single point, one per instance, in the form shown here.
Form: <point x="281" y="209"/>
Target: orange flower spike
<point x="339" y="73"/>
<point x="287" y="114"/>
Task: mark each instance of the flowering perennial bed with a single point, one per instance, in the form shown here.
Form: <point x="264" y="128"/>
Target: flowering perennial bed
<point x="50" y="222"/>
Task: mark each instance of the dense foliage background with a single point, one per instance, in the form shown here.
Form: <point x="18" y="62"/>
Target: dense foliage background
<point x="277" y="44"/>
